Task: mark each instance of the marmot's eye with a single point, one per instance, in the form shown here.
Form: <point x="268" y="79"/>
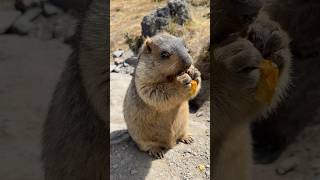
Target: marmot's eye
<point x="165" y="54"/>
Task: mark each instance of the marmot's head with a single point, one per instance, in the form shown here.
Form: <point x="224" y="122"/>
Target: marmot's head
<point x="162" y="56"/>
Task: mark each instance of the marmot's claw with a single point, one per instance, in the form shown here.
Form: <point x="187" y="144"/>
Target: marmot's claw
<point x="187" y="140"/>
<point x="184" y="79"/>
<point x="194" y="73"/>
<point x="156" y="153"/>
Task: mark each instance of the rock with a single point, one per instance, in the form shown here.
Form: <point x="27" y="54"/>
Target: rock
<point x="118" y="53"/>
<point x="24" y="24"/>
<point x="178" y="9"/>
<point x="125" y="64"/>
<point x="118" y="61"/>
<point x="23" y="5"/>
<point x="133" y="61"/>
<point x="129" y="70"/>
<point x="208" y="173"/>
<point x="160" y="18"/>
<point x="50" y="9"/>
<point x="117" y="69"/>
<point x="199" y="114"/>
<point x="155" y="22"/>
<point x="115" y="166"/>
<point x="287" y="165"/>
<point x="7" y="18"/>
<point x="112" y="67"/>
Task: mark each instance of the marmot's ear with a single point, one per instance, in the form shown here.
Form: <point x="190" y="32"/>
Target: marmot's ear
<point x="148" y="44"/>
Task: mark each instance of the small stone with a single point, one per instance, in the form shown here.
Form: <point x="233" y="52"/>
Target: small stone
<point x="287" y="165"/>
<point x="133" y="61"/>
<point x="199" y="114"/>
<point x="7" y="18"/>
<point x="118" y="53"/>
<point x="117" y="69"/>
<point x="118" y="61"/>
<point x="125" y="64"/>
<point x="208" y="173"/>
<point x="112" y="67"/>
<point x="115" y="166"/>
<point x="133" y="171"/>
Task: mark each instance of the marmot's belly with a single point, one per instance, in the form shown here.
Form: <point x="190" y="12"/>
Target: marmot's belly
<point x="168" y="127"/>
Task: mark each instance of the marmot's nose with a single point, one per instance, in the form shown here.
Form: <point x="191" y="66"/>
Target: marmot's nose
<point x="187" y="62"/>
<point x="187" y="66"/>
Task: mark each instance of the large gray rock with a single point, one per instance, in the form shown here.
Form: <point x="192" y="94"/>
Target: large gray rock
<point x="7" y="18"/>
<point x="175" y="10"/>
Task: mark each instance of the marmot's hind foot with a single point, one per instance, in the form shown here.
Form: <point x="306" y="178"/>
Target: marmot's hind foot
<point x="187" y="139"/>
<point x="157" y="153"/>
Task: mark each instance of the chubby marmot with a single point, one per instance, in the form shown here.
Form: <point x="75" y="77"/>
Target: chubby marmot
<point x="156" y="104"/>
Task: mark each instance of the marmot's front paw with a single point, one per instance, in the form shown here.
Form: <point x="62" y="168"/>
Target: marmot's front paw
<point x="185" y="80"/>
<point x="187" y="139"/>
<point x="194" y="73"/>
<point x="272" y="42"/>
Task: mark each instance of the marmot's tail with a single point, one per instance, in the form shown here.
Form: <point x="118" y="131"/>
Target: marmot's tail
<point x="119" y="136"/>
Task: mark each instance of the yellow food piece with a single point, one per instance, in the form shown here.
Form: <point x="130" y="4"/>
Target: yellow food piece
<point x="201" y="167"/>
<point x="194" y="85"/>
<point x="268" y="82"/>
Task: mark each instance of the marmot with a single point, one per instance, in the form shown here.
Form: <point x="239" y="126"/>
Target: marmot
<point x="156" y="103"/>
<point x="236" y="76"/>
<point x="75" y="134"/>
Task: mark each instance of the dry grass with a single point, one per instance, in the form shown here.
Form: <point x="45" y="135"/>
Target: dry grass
<point x="126" y="16"/>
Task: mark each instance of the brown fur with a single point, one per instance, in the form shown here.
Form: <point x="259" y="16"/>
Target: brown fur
<point x="75" y="135"/>
<point x="156" y="104"/>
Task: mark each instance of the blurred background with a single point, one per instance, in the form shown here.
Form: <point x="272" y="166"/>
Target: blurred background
<point x="35" y="41"/>
<point x="287" y="143"/>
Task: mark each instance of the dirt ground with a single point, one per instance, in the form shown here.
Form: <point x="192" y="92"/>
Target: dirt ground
<point x="303" y="156"/>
